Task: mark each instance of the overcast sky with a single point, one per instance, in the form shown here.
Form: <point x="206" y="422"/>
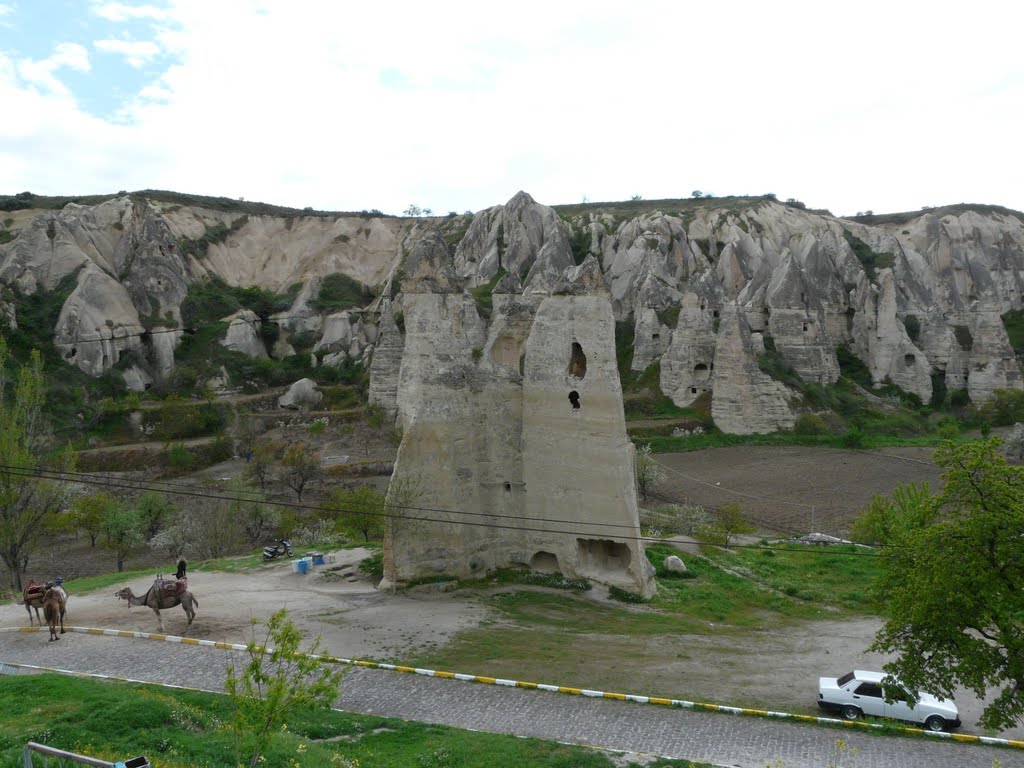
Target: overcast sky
<point x="850" y="106"/>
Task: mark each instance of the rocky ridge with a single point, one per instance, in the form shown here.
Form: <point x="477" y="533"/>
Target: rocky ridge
<point x="706" y="287"/>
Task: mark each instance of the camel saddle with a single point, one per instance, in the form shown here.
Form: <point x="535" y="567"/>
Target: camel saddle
<point x="172" y="586"/>
<point x="34" y="589"/>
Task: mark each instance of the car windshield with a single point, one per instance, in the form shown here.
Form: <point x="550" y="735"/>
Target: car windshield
<point x="844" y="679"/>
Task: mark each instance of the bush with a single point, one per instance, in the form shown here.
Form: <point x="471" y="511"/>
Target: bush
<point x="854" y="437"/>
<point x="811" y="424"/>
<point x="339" y="291"/>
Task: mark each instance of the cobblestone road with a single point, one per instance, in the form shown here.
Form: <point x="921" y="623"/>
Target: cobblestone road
<point x="726" y="740"/>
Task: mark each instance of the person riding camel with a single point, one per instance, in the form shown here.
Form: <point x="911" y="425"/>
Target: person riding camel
<point x="180" y="582"/>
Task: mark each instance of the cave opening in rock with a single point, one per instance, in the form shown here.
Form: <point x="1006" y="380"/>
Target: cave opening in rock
<point x="574" y="398"/>
<point x="577" y="362"/>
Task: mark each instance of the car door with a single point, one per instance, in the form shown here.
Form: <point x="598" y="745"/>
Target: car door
<point x="899" y="709"/>
<point x="868" y="696"/>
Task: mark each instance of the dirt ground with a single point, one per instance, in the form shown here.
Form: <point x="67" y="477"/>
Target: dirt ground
<point x="792" y="489"/>
<point x="782" y="489"/>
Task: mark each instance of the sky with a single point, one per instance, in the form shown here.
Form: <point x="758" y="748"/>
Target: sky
<point x="456" y="106"/>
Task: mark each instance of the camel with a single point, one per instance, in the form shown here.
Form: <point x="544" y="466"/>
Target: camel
<point x="158" y="599"/>
<point x="53" y="610"/>
<point x="34" y="594"/>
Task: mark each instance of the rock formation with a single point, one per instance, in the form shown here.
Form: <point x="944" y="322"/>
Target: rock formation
<point x="917" y="297"/>
<point x="513" y="432"/>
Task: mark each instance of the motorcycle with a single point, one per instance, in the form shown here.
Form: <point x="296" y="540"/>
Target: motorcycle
<point x="274" y="551"/>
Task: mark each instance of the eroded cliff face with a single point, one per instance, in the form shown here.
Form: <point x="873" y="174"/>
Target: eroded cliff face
<point x="927" y="307"/>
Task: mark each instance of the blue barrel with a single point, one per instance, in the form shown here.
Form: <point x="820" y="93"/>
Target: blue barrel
<point x="302" y="566"/>
<point x="318" y="558"/>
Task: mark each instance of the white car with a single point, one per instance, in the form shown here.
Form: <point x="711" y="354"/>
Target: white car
<point x="861" y="693"/>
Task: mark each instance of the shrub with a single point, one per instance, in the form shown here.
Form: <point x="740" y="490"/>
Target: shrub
<point x="338" y="291"/>
<point x="811" y="424"/>
<point x="913" y="326"/>
<point x="854" y="437"/>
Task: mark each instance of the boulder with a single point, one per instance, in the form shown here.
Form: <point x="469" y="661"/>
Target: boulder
<point x="673" y="564"/>
<point x="243" y="334"/>
<point x="302" y="394"/>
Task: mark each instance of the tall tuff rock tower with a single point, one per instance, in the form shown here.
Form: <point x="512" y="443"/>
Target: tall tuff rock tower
<point x="514" y="448"/>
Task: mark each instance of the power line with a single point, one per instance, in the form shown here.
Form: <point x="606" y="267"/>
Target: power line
<point x="99" y="480"/>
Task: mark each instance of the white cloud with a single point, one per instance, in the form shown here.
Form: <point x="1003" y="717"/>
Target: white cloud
<point x="455" y="106"/>
<point x="136" y="52"/>
<point x="124" y="12"/>
<point x="42" y="73"/>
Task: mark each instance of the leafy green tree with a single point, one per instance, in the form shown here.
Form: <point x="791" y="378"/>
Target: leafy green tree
<point x="277" y="682"/>
<point x="29" y="502"/>
<point x="154" y="511"/>
<point x="123" y="527"/>
<point x="727" y="522"/>
<point x="88" y="513"/>
<point x="906" y="508"/>
<point x="953" y="583"/>
<point x="1003" y="407"/>
<point x="359" y="511"/>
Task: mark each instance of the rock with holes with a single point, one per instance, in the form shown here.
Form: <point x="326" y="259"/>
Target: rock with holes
<point x="513" y="409"/>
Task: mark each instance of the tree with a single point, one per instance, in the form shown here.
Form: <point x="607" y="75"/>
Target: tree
<point x="258" y="466"/>
<point x="28" y="500"/>
<point x="123" y="528"/>
<point x="727" y="522"/>
<point x="302" y="465"/>
<point x="886" y="515"/>
<point x="154" y="510"/>
<point x="88" y="513"/>
<point x="649" y="473"/>
<point x="696" y="194"/>
<point x="953" y="583"/>
<point x="413" y="210"/>
<point x="277" y="682"/>
<point x="360" y="511"/>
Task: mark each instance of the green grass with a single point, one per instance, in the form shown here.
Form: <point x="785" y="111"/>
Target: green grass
<point x="1014" y="323"/>
<point x="566" y="638"/>
<point x="189" y="729"/>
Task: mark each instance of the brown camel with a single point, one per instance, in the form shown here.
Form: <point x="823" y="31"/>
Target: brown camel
<point x="32" y="597"/>
<point x="53" y="611"/>
<point x="158" y="599"/>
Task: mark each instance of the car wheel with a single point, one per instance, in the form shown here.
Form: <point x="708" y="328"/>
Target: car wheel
<point x="935" y="723"/>
<point x="850" y="712"/>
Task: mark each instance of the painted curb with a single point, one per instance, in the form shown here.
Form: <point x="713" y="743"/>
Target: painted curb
<point x="681" y="703"/>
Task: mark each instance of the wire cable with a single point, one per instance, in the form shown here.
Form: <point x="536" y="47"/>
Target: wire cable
<point x="92" y="479"/>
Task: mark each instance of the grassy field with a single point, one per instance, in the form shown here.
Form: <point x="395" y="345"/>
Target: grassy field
<point x="541" y="636"/>
<point x="185" y="729"/>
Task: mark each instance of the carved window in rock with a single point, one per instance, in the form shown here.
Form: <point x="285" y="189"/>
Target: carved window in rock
<point x="908" y="360"/>
<point x="577" y="362"/>
<point x="701" y="372"/>
<point x="574" y="400"/>
<point x="601" y="556"/>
